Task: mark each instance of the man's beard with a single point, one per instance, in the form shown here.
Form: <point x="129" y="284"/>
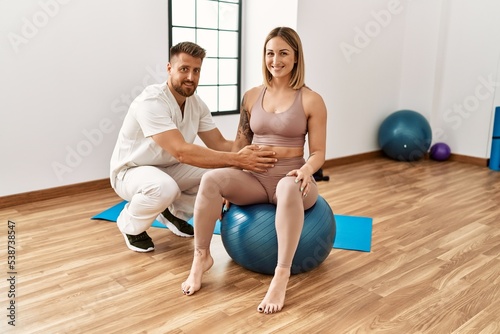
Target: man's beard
<point x="186" y="92"/>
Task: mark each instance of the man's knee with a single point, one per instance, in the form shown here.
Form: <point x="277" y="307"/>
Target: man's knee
<point x="163" y="193"/>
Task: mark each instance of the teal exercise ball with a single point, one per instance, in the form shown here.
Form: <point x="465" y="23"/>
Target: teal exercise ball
<point x="405" y="135"/>
<point x="249" y="236"/>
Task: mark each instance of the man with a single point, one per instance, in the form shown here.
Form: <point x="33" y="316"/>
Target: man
<point x="156" y="167"/>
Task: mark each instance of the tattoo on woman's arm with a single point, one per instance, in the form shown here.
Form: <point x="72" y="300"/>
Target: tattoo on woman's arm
<point x="244" y="128"/>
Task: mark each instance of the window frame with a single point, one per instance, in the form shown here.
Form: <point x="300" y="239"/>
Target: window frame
<point x="196" y="28"/>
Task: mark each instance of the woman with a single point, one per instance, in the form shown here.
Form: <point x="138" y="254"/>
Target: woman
<point x="276" y="116"/>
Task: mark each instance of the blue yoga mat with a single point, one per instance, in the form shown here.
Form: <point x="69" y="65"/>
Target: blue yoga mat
<point x="353" y="232"/>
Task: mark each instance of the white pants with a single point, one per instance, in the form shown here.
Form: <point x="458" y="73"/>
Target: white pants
<point x="150" y="190"/>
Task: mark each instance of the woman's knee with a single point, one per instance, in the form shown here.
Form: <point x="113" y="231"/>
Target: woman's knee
<point x="287" y="185"/>
<point x="208" y="183"/>
<point x="289" y="191"/>
<point x="215" y="180"/>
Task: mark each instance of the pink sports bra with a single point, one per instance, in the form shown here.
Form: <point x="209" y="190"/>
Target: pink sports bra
<point x="287" y="128"/>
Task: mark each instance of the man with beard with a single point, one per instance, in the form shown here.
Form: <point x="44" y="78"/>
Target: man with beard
<point x="156" y="167"/>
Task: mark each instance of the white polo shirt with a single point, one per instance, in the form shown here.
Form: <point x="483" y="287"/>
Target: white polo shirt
<point x="155" y="111"/>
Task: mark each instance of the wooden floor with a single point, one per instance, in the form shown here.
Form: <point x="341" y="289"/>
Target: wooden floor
<point x="434" y="265"/>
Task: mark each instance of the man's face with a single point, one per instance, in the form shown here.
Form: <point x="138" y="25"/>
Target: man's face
<point x="184" y="73"/>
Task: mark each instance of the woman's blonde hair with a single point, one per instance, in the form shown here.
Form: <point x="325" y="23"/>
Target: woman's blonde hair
<point x="290" y="36"/>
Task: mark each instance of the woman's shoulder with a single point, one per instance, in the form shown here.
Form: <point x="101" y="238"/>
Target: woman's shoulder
<point x="255" y="91"/>
<point x="251" y="96"/>
<point x="310" y="95"/>
<point x="312" y="102"/>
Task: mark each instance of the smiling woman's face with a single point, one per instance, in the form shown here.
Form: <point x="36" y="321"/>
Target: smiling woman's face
<point x="280" y="57"/>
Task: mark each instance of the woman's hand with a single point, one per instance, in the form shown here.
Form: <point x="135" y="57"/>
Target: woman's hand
<point x="225" y="206"/>
<point x="302" y="177"/>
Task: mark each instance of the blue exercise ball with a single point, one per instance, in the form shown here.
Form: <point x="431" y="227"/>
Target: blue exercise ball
<point x="405" y="135"/>
<point x="249" y="236"/>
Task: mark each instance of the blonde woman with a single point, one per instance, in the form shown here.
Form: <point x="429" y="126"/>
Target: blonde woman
<point x="276" y="116"/>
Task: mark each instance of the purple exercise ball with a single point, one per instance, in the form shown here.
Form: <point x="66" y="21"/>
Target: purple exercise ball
<point x="440" y="152"/>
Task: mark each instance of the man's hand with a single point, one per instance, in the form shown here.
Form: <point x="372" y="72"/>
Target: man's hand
<point x="253" y="158"/>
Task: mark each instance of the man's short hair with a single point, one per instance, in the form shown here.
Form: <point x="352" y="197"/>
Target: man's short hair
<point x="192" y="49"/>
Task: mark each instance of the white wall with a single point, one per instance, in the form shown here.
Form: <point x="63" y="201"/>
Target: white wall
<point x="353" y="52"/>
<point x="423" y="44"/>
<point x="450" y="70"/>
<point x="371" y="58"/>
<point x="70" y="69"/>
<point x="465" y="103"/>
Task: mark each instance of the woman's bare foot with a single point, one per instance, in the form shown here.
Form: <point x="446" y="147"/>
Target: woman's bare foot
<point x="275" y="297"/>
<point x="202" y="261"/>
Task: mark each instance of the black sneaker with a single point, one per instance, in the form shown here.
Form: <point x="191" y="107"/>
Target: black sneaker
<point x="139" y="243"/>
<point x="178" y="226"/>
